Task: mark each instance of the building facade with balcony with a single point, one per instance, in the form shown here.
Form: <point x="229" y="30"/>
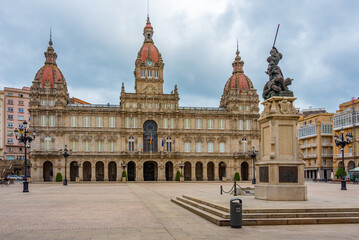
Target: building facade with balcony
<point x="347" y="117"/>
<point x="16" y="103"/>
<point x="148" y="132"/>
<point x="316" y="143"/>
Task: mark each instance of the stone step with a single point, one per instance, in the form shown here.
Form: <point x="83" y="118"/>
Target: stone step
<point x="206" y="208"/>
<point x="300" y="215"/>
<point x="206" y="215"/>
<point x="275" y="210"/>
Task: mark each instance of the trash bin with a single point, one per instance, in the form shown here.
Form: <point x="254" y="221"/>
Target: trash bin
<point x="236" y="212"/>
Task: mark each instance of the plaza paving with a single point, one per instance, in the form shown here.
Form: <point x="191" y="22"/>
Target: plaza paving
<point x="144" y="211"/>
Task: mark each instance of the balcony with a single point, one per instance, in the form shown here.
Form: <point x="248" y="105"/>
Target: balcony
<point x="327" y="155"/>
<point x="303" y="146"/>
<point x="327" y="144"/>
<point x="313" y="144"/>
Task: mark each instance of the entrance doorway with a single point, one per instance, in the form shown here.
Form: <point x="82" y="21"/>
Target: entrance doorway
<point x="244" y="170"/>
<point x="150" y="171"/>
<point x="100" y="173"/>
<point x="48" y="171"/>
<point x="169" y="171"/>
<point x="187" y="171"/>
<point x="112" y="171"/>
<point x="221" y="170"/>
<point x="73" y="171"/>
<point x="86" y="171"/>
<point x="131" y="169"/>
<point x="199" y="171"/>
<point x="210" y="171"/>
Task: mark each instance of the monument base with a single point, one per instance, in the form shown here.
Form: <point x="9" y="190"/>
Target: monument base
<point x="282" y="192"/>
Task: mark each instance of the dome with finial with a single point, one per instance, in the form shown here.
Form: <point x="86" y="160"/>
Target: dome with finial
<point x="148" y="50"/>
<point x="49" y="73"/>
<point x="238" y="82"/>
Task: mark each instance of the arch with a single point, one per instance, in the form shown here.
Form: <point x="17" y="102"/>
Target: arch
<point x="48" y="171"/>
<point x="112" y="171"/>
<point x="244" y="171"/>
<point x="199" y="171"/>
<point x="222" y="170"/>
<point x="86" y="171"/>
<point x="169" y="171"/>
<point x="150" y="142"/>
<point x="187" y="171"/>
<point x="351" y="165"/>
<point x="131" y="171"/>
<point x="73" y="171"/>
<point x="100" y="171"/>
<point x="210" y="171"/>
<point x="150" y="171"/>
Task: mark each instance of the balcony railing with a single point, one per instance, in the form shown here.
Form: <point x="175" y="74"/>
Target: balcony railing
<point x="327" y="155"/>
<point x="330" y="144"/>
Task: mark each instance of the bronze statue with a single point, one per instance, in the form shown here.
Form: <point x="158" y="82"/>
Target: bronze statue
<point x="277" y="85"/>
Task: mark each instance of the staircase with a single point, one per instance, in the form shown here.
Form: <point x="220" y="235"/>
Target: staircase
<point x="251" y="217"/>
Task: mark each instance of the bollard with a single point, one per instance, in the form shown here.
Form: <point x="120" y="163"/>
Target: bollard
<point x="236" y="213"/>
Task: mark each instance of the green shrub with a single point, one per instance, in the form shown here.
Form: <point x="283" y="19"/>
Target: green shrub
<point x="339" y="173"/>
<point x="178" y="175"/>
<point x="58" y="177"/>
<point x="124" y="174"/>
<point x="236" y="177"/>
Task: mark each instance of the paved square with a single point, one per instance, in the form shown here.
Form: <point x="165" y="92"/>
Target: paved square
<point x="144" y="211"/>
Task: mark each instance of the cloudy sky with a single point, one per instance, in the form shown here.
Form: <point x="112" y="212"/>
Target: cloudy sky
<point x="97" y="44"/>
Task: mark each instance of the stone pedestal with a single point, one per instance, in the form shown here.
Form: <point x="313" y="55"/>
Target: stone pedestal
<point x="280" y="167"/>
<point x="77" y="179"/>
<point x="181" y="179"/>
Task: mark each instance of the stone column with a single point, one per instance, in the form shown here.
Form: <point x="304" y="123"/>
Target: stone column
<point x="105" y="172"/>
<point x="280" y="167"/>
<point x="81" y="172"/>
<point x="216" y="176"/>
<point x="93" y="172"/>
<point x="139" y="172"/>
<point x="161" y="172"/>
<point x="193" y="172"/>
<point x="205" y="177"/>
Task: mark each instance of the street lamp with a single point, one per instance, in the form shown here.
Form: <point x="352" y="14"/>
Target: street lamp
<point x="253" y="154"/>
<point x="340" y="142"/>
<point x="25" y="135"/>
<point x="66" y="153"/>
<point x="181" y="165"/>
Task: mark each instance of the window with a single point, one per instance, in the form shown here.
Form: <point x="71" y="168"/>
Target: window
<point x="164" y="105"/>
<point x="142" y="105"/>
<point x="43" y="102"/>
<point x="222" y="147"/>
<point x="10" y="117"/>
<point x="168" y="144"/>
<point x="172" y="123"/>
<point x="21" y="110"/>
<point x="21" y="103"/>
<point x="324" y="151"/>
<point x="172" y="106"/>
<point x="143" y="72"/>
<point x="248" y="124"/>
<point x="10" y="133"/>
<point x="51" y="102"/>
<point x="86" y="121"/>
<point x="73" y="121"/>
<point x="244" y="145"/>
<point x="112" y="146"/>
<point x="248" y="108"/>
<point x="86" y="146"/>
<point x="324" y="140"/>
<point x="21" y="125"/>
<point x="156" y="74"/>
<point x="43" y="121"/>
<point x="221" y="123"/>
<point x="199" y="147"/>
<point x="99" y="145"/>
<point x="187" y="123"/>
<point x="47" y="143"/>
<point x="131" y="144"/>
<point x="10" y="157"/>
<point x="134" y="122"/>
<point x="127" y="122"/>
<point x="10" y="140"/>
<point x="150" y="105"/>
<point x="350" y="151"/>
<point x="10" y="109"/>
<point x="99" y="122"/>
<point x="9" y="94"/>
<point x="9" y="101"/>
<point x="21" y="118"/>
<point x="187" y="146"/>
<point x="149" y="74"/>
<point x="165" y="123"/>
<point x="111" y="122"/>
<point x="20" y="95"/>
<point x="198" y="123"/>
<point x="325" y="162"/>
<point x="156" y="105"/>
<point x="10" y="149"/>
<point x="74" y="146"/>
<point x="210" y="147"/>
<point x="240" y="108"/>
<point x="210" y="124"/>
<point x="240" y="124"/>
<point x="52" y="121"/>
<point x="10" y="125"/>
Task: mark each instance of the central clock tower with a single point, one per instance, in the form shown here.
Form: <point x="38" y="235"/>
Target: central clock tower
<point x="149" y="66"/>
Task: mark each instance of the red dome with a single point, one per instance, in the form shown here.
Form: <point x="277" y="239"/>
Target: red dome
<point x="148" y="26"/>
<point x="149" y="50"/>
<point x="49" y="73"/>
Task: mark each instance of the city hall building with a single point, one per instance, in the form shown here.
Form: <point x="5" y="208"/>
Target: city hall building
<point x="148" y="134"/>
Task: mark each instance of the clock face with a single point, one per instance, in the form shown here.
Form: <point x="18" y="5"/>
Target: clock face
<point x="149" y="63"/>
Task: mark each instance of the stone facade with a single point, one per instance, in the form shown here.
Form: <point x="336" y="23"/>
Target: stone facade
<point x="148" y="134"/>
